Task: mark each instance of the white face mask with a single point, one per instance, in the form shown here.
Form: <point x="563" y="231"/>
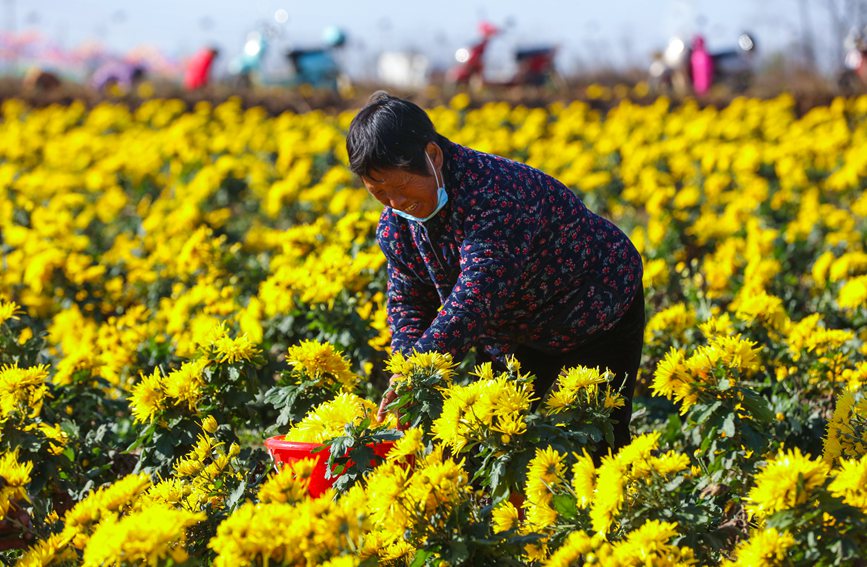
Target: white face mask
<point x="442" y="197"/>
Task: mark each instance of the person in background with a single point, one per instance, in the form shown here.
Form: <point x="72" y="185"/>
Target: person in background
<point x="198" y="71"/>
<point x="117" y="77"/>
<point x="676" y="60"/>
<point x="701" y="66"/>
<point x="487" y="252"/>
<point x="40" y="80"/>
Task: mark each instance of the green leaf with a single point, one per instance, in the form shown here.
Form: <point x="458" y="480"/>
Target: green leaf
<point x="144" y="436"/>
<point x="233" y="374"/>
<point x="728" y="426"/>
<point x="421" y="557"/>
<point x="236" y="495"/>
<point x="459" y="553"/>
<point x="565" y="506"/>
<point x="757" y="406"/>
<point x="700" y="414"/>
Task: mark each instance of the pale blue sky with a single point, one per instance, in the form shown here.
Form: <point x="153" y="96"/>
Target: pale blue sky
<point x="589" y="32"/>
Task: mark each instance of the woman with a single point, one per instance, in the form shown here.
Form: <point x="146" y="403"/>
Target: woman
<point x="487" y="252"/>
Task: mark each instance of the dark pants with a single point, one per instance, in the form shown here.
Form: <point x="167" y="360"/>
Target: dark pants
<point x="618" y="349"/>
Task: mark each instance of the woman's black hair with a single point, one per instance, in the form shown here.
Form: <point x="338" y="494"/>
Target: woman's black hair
<point x="389" y="132"/>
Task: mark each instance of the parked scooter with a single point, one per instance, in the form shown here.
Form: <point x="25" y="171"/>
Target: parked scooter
<point x="735" y="67"/>
<point x="245" y="68"/>
<point x="535" y="66"/>
<point x="470" y="68"/>
<point x="318" y="67"/>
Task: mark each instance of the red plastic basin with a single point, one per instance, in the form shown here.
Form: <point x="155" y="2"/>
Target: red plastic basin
<point x="287" y="452"/>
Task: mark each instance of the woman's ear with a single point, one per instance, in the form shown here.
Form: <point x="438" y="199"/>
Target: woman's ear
<point x="436" y="155"/>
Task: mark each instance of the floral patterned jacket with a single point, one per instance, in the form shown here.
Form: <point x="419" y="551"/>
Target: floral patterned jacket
<point x="514" y="258"/>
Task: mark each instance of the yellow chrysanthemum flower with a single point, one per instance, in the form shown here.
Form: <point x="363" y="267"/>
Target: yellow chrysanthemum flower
<point x="147" y="537"/>
<point x="148" y="397"/>
<point x="850" y="482"/>
<point x="575" y="386"/>
<point x="718" y="325"/>
<point x="8" y="310"/>
<point x="327" y="420"/>
<point x="649" y="545"/>
<point x="52" y="550"/>
<point x="785" y="482"/>
<point x="22" y="390"/>
<point x="764" y="308"/>
<point x="545" y="477"/>
<point x="320" y="360"/>
<point x="15" y="476"/>
<point x="842" y="439"/>
<point x="288" y="485"/>
<point x="763" y="547"/>
<point x="408" y="446"/>
<point x="169" y="492"/>
<point x="669" y="322"/>
<point x="480" y="409"/>
<point x="386" y="491"/>
<point x="436" y="485"/>
<point x="671" y="381"/>
<point x="425" y="363"/>
<point x="239" y="349"/>
<point x="103" y="503"/>
<point x="186" y="384"/>
<point x="209" y="424"/>
<point x="853" y="294"/>
<point x="578" y="546"/>
<point x="583" y="480"/>
<point x="504" y="517"/>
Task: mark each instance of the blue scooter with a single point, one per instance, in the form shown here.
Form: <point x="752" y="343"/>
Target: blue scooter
<point x="318" y="67"/>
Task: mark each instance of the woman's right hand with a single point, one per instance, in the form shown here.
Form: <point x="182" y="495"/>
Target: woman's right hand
<point x="388" y="397"/>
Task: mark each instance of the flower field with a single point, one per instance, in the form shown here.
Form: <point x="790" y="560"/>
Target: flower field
<point x="179" y="284"/>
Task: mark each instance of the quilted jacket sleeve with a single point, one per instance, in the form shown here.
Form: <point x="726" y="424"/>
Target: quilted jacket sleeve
<point x="412" y="300"/>
<point x="499" y="232"/>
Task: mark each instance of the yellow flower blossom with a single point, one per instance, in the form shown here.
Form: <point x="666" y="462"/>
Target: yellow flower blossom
<point x="22" y="390"/>
<point x="328" y="419"/>
<point x="649" y="544"/>
<point x="288" y="485"/>
<point x="148" y="397"/>
<point x="9" y="310"/>
<point x="149" y="536"/>
<point x="410" y="445"/>
<point x="319" y="361"/>
<point x="504" y="517"/>
<point x="239" y="349"/>
<point x="583" y="480"/>
<point x="53" y="549"/>
<point x="186" y="384"/>
<point x="764" y="547"/>
<point x="480" y="409"/>
<point x="427" y="363"/>
<point x="785" y="482"/>
<point x="853" y="294"/>
<point x="15" y="476"/>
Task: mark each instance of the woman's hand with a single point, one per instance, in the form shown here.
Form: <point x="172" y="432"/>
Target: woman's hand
<point x="388" y="397"/>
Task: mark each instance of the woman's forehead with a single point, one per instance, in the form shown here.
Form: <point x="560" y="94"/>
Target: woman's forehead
<point x="389" y="176"/>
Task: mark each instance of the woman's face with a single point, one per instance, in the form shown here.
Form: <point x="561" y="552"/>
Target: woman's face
<point x="408" y="192"/>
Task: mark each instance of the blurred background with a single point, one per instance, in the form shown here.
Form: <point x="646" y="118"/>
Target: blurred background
<point x="305" y="54"/>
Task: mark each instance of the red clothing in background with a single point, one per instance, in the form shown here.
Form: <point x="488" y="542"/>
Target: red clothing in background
<point x="199" y="69"/>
